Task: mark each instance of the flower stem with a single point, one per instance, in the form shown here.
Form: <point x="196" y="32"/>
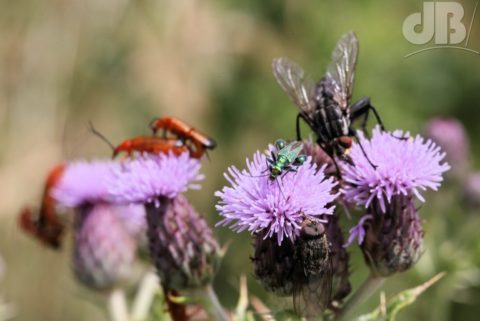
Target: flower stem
<point x="145" y="296"/>
<point x="213" y="306"/>
<point x="117" y="306"/>
<point x="369" y="286"/>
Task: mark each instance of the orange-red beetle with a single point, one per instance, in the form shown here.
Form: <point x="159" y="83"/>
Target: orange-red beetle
<point x="154" y="145"/>
<point x="200" y="141"/>
<point x="45" y="226"/>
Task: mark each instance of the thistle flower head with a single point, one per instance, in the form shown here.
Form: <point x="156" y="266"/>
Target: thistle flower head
<point x="254" y="202"/>
<point x="148" y="177"/>
<point x="404" y="166"/>
<point x="274" y="264"/>
<point x="134" y="219"/>
<point x="393" y="239"/>
<point x="84" y="182"/>
<point x="104" y="251"/>
<point x="471" y="189"/>
<point x="451" y="136"/>
<point x="182" y="246"/>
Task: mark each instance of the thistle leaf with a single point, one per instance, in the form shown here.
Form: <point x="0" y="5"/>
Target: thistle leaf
<point x="389" y="310"/>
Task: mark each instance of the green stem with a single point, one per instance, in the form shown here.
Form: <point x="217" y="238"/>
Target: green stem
<point x="213" y="306"/>
<point x="369" y="286"/>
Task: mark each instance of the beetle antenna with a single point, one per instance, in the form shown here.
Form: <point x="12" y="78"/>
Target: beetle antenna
<point x="151" y="125"/>
<point x="99" y="135"/>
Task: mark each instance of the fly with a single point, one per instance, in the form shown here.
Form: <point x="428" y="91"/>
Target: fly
<point x="286" y="159"/>
<point x="326" y="106"/>
<point x="312" y="293"/>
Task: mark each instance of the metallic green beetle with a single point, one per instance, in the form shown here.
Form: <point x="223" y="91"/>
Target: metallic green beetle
<point x="286" y="158"/>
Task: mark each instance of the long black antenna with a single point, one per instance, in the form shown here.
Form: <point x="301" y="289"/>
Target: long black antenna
<point x="99" y="135"/>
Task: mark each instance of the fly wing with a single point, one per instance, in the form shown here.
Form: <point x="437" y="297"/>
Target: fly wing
<point x="293" y="80"/>
<point x="292" y="150"/>
<point x="312" y="295"/>
<point x="312" y="298"/>
<point x="341" y="70"/>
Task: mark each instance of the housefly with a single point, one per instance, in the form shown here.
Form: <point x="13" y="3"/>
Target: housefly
<point x="312" y="293"/>
<point x="326" y="106"/>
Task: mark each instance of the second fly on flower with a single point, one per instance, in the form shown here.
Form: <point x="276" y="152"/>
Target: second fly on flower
<point x="286" y="158"/>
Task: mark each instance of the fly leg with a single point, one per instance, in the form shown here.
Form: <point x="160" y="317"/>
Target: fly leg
<point x="291" y="169"/>
<point x="363" y="108"/>
<point x="306" y="120"/>
<point x="352" y="132"/>
<point x="299" y="134"/>
<point x="330" y="154"/>
<point x="274" y="157"/>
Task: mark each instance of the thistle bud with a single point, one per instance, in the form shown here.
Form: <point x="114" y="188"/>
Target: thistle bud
<point x="393" y="238"/>
<point x="274" y="264"/>
<point x="471" y="189"/>
<point x="104" y="251"/>
<point x="451" y="136"/>
<point x="182" y="246"/>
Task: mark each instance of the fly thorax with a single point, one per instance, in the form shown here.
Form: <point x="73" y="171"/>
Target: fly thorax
<point x="282" y="161"/>
<point x="313" y="253"/>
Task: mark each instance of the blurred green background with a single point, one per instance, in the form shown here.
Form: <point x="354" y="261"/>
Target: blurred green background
<point x="120" y="63"/>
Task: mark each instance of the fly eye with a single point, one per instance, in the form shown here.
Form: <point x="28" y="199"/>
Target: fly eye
<point x="280" y="144"/>
<point x="299" y="160"/>
<point x="345" y="141"/>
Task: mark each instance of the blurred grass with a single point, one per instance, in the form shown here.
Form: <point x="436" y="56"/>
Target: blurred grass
<point x="120" y="63"/>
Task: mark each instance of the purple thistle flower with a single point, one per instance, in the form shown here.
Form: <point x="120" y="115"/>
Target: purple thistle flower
<point x="405" y="166"/>
<point x="89" y="183"/>
<point x="451" y="136"/>
<point x="148" y="177"/>
<point x="256" y="203"/>
<point x="84" y="182"/>
<point x="471" y="189"/>
<point x="358" y="231"/>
